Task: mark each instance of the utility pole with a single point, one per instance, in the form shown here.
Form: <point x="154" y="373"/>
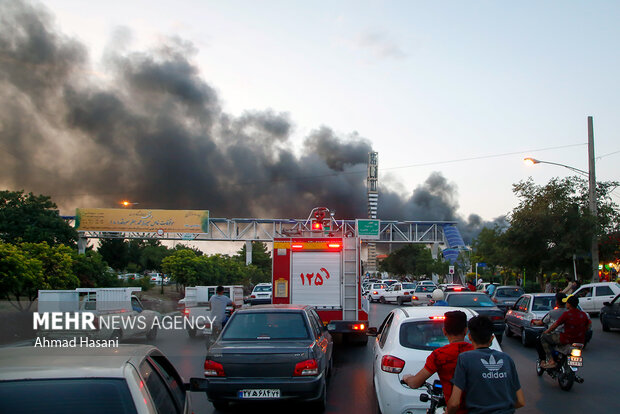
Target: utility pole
<point x="593" y="209"/>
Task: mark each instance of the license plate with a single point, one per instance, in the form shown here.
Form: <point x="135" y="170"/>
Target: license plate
<point x="331" y="326"/>
<point x="575" y="361"/>
<point x="259" y="393"/>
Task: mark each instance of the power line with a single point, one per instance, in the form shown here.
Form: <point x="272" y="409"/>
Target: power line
<point x="606" y="155"/>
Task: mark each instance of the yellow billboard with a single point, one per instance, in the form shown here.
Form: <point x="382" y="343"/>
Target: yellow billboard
<point x="142" y="220"/>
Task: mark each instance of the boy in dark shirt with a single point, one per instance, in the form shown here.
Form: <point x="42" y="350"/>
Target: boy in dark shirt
<point x="443" y="360"/>
<point x="487" y="377"/>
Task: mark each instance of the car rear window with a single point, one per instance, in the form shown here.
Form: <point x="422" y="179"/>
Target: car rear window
<point x="262" y="289"/>
<point x="544" y="303"/>
<point x="408" y="285"/>
<point x="51" y="396"/>
<point x="465" y="301"/>
<point x="379" y="286"/>
<point x="266" y="326"/>
<point x="425" y="335"/>
<point x="424" y="289"/>
<point x="509" y="293"/>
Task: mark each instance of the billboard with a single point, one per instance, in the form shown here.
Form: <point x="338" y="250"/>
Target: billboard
<point x="142" y="220"/>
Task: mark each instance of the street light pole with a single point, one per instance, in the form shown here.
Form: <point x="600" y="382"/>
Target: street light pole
<point x="592" y="191"/>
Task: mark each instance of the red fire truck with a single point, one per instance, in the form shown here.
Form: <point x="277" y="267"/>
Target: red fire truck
<point x="320" y="266"/>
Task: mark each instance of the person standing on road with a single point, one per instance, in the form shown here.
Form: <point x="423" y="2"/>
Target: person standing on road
<point x="576" y="324"/>
<point x="218" y="311"/>
<point x="487" y="377"/>
<point x="438" y="298"/>
<point x="443" y="360"/>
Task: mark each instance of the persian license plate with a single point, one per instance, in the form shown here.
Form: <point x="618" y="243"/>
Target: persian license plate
<point x="259" y="393"/>
<point x="575" y="361"/>
<point x="331" y="326"/>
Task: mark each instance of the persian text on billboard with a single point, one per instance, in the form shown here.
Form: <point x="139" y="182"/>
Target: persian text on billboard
<point x="142" y="220"/>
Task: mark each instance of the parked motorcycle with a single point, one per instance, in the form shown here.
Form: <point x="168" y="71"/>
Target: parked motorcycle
<point x="567" y="359"/>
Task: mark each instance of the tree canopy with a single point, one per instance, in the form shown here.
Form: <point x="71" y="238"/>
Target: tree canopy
<point x="413" y="260"/>
<point x="33" y="219"/>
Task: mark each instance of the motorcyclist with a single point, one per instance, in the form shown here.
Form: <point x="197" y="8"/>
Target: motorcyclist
<point x="438" y="298"/>
<point x="576" y="324"/>
<point x="548" y="320"/>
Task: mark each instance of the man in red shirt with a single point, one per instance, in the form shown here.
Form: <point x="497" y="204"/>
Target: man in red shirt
<point x="443" y="360"/>
<point x="576" y="324"/>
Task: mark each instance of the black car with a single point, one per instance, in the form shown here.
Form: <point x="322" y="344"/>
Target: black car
<point x="270" y="352"/>
<point x="610" y="314"/>
<point x="481" y="303"/>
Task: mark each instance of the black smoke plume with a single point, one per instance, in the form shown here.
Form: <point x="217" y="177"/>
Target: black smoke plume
<point x="152" y="130"/>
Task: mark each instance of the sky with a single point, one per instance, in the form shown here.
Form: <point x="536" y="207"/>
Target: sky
<point x="464" y="90"/>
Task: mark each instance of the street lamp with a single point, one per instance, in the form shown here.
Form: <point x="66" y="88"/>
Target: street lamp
<point x="129" y="204"/>
<point x="591" y="174"/>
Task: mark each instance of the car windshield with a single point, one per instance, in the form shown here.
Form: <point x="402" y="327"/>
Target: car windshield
<point x="509" y="292"/>
<point x="51" y="396"/>
<point x="467" y="301"/>
<point x="262" y="289"/>
<point x="266" y="326"/>
<point x="543" y="303"/>
<point x="425" y="335"/>
<point x="408" y="285"/>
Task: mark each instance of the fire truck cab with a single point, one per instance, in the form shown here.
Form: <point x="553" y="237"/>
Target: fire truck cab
<point x="320" y="266"/>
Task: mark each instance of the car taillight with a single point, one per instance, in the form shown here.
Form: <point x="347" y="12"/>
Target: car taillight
<point x="374" y="292"/>
<point x="392" y="364"/>
<point x="458" y="289"/>
<point x="406" y="293"/>
<point x="186" y="311"/>
<point x="359" y="327"/>
<point x="414" y="298"/>
<point x="307" y="367"/>
<point x="252" y="296"/>
<point x="437" y="318"/>
<point x="214" y="369"/>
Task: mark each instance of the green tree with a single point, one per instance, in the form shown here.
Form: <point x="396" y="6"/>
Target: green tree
<point x="152" y="256"/>
<point x="92" y="270"/>
<point x="20" y="276"/>
<point x="28" y="267"/>
<point x="32" y="218"/>
<point x="183" y="266"/>
<point x="412" y="259"/>
<point x="261" y="258"/>
<point x="552" y="223"/>
<point x="115" y="253"/>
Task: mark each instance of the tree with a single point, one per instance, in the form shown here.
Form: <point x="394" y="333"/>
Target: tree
<point x="261" y="258"/>
<point x="28" y="267"/>
<point x="32" y="218"/>
<point x="114" y="252"/>
<point x="92" y="270"/>
<point x="490" y="248"/>
<point x="183" y="266"/>
<point x="413" y="259"/>
<point x="553" y="222"/>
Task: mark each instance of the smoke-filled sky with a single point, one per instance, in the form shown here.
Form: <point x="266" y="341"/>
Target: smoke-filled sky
<point x="268" y="109"/>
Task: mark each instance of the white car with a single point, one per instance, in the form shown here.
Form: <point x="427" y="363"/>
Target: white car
<point x="423" y="295"/>
<point x="427" y="283"/>
<point x="261" y="295"/>
<point x="404" y="340"/>
<point x="376" y="291"/>
<point x="399" y="293"/>
<point x="593" y="295"/>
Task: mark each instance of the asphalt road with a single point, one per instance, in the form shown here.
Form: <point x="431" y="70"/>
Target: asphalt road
<point x="350" y="388"/>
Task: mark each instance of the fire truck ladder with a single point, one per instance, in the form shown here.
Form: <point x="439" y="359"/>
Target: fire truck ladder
<point x="349" y="280"/>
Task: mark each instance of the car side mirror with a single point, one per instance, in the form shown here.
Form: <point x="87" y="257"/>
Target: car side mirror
<point x="197" y="385"/>
<point x="372" y="331"/>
